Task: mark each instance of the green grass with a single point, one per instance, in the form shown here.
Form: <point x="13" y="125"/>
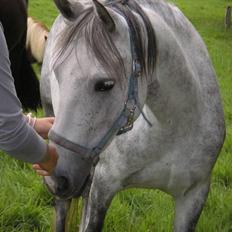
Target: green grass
<point x="26" y="206"/>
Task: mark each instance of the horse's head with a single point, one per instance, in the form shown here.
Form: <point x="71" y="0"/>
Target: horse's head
<point x="96" y="99"/>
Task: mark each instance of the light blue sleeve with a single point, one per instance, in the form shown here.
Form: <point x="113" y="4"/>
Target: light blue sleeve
<point x="17" y="138"/>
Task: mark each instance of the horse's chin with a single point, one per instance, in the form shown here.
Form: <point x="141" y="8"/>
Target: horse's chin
<point x="71" y="191"/>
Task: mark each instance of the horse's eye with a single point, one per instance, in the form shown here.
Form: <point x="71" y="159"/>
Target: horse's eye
<point x="104" y="85"/>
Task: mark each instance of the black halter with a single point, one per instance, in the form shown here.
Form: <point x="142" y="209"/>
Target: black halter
<point x="123" y="123"/>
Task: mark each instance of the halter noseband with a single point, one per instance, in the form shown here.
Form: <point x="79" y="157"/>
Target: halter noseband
<point x="122" y="124"/>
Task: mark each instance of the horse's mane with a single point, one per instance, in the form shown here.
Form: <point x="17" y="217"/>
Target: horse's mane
<point x="99" y="41"/>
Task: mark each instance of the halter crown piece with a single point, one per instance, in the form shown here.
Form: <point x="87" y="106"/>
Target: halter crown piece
<point x="122" y="124"/>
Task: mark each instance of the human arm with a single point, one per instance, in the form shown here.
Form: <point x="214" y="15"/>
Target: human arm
<point x="17" y="138"/>
<point x="42" y="127"/>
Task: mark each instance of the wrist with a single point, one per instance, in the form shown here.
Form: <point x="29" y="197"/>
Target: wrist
<point x="46" y="157"/>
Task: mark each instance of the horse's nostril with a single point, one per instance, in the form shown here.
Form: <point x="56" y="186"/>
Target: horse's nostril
<point x="62" y="184"/>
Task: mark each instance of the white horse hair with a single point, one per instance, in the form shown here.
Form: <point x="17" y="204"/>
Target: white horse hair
<point x="37" y="34"/>
<point x="87" y="64"/>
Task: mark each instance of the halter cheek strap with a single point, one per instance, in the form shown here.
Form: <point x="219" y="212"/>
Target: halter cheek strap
<point x="123" y="123"/>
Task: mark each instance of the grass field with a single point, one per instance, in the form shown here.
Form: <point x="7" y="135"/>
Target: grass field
<point x="26" y="206"/>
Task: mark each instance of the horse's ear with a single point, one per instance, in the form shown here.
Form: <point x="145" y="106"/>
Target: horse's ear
<point x="69" y="10"/>
<point x="104" y="16"/>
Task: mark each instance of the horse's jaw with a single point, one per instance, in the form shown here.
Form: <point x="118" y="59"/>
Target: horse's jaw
<point x="82" y="190"/>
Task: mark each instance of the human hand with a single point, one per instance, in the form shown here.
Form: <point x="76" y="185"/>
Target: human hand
<point x="43" y="125"/>
<point x="46" y="166"/>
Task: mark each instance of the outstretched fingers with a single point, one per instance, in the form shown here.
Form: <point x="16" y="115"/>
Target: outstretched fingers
<point x="40" y="171"/>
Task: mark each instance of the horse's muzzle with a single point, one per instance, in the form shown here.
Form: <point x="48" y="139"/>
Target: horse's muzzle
<point x="66" y="186"/>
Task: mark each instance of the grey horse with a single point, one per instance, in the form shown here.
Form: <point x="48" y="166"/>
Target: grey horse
<point x="137" y="104"/>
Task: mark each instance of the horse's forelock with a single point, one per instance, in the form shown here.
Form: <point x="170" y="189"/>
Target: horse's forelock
<point x="99" y="41"/>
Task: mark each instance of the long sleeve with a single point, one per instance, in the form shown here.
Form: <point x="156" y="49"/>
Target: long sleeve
<point x="17" y="138"/>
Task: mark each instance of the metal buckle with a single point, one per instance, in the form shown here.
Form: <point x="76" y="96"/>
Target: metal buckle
<point x="130" y="112"/>
<point x="125" y="129"/>
<point x="130" y="119"/>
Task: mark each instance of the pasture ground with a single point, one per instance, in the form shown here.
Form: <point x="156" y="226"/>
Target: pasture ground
<point x="26" y="206"/>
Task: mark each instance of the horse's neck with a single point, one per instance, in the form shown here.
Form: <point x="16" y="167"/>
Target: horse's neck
<point x="175" y="85"/>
